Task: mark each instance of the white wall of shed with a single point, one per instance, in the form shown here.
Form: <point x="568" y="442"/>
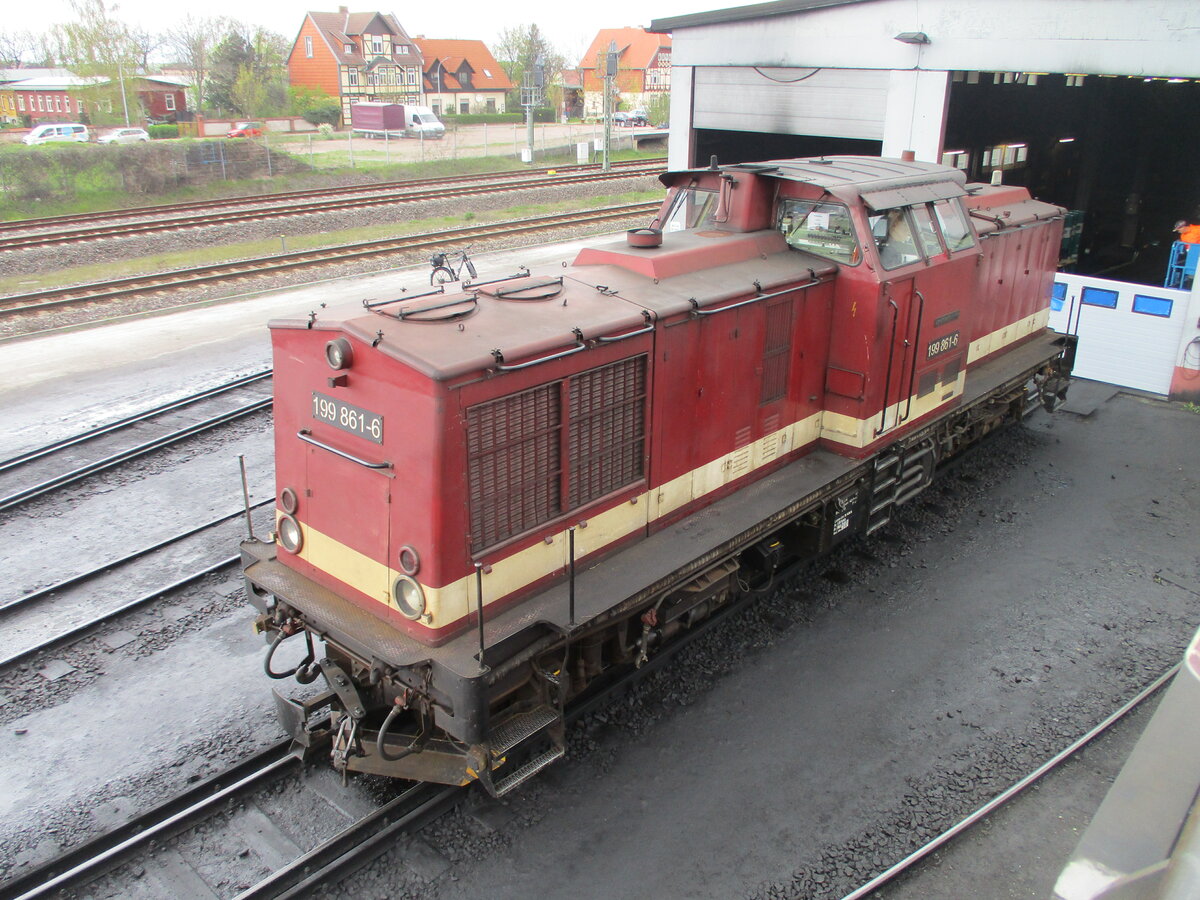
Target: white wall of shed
<point x="1102" y="37"/>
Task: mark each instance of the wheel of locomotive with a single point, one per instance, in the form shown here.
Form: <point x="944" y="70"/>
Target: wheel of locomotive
<point x="441" y="275"/>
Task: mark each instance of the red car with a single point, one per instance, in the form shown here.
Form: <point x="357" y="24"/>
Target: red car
<point x="245" y="129"/>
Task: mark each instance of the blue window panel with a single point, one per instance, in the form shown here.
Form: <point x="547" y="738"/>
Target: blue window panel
<point x="1093" y="296"/>
<point x="1059" y="295"/>
<point x="1152" y="306"/>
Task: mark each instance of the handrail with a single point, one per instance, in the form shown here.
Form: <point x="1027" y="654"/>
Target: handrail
<point x="887" y="379"/>
<point x="697" y="311"/>
<point x="912" y="374"/>
<point x="501" y="366"/>
<point x="305" y="435"/>
<point x="373" y="304"/>
<point x="403" y="314"/>
<point x="649" y="326"/>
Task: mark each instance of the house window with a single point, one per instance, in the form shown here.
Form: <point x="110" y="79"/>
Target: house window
<point x="349" y="48"/>
<point x="437" y="108"/>
<point x="412" y="77"/>
<point x="491" y="104"/>
<point x="352" y="76"/>
<point x="377" y="45"/>
<point x="464" y="107"/>
<point x="79" y="107"/>
<point x="21" y="102"/>
<point x="41" y="103"/>
<point x="402" y="49"/>
<point x="308" y="46"/>
<point x="169" y="100"/>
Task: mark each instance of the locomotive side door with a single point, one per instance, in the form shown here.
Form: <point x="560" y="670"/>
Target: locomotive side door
<point x="347" y="494"/>
<point x="900" y="327"/>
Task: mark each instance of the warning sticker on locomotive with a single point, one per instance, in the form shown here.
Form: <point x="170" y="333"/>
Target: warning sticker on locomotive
<point x="349" y="418"/>
<point x="941" y="345"/>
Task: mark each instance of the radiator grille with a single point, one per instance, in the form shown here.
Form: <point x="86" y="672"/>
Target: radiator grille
<point x="516" y="473"/>
<point x="514" y="464"/>
<point x="607" y="429"/>
<point x="776" y="363"/>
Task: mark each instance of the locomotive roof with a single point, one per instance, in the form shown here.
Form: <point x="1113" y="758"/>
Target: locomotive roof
<point x="451" y="335"/>
<point x="879" y="181"/>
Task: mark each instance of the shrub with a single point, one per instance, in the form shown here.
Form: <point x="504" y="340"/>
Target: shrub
<point x="324" y="114"/>
<point x="163" y="131"/>
<point x="326" y="131"/>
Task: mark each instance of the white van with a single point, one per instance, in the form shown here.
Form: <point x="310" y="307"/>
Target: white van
<point x="420" y="121"/>
<point x="58" y="131"/>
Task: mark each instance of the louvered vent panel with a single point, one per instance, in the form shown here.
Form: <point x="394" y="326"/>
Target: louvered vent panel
<point x="607" y="429"/>
<point x="514" y="465"/>
<point x="777" y="348"/>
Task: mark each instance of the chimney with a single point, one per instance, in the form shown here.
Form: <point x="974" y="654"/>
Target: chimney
<point x="344" y="10"/>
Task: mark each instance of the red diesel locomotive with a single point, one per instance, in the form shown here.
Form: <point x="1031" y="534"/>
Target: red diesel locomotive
<point x="494" y="495"/>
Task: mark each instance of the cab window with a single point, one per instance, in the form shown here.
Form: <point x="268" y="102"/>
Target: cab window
<point x="955" y="229"/>
<point x="927" y="234"/>
<point x="690" y="208"/>
<point x="824" y="229"/>
<point x="893" y="232"/>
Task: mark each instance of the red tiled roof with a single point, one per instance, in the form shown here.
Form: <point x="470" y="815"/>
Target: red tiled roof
<point x="340" y="29"/>
<point x="636" y="47"/>
<point x="486" y="73"/>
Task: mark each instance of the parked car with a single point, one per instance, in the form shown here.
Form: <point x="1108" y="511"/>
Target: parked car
<point x="57" y="131"/>
<point x="246" y="130"/>
<point x="124" y="136"/>
<point x="631" y="118"/>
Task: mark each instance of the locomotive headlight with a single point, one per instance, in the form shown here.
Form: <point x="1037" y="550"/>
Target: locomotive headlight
<point x="290" y="535"/>
<point x="338" y="353"/>
<point x="410" y="598"/>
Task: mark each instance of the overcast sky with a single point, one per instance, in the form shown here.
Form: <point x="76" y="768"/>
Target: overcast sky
<point x="570" y="24"/>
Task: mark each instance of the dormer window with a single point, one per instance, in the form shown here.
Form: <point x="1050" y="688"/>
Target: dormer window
<point x="349" y="48"/>
<point x="402" y="49"/>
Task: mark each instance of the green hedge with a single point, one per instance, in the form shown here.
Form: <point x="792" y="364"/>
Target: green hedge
<point x="539" y="115"/>
<point x="163" y="131"/>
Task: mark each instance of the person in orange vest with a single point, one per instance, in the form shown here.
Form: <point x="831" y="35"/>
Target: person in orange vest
<point x="1189" y="232"/>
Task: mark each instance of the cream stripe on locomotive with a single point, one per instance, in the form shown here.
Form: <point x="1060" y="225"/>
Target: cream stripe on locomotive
<point x="852" y="432"/>
<point x="1002" y="337"/>
<point x="446" y="605"/>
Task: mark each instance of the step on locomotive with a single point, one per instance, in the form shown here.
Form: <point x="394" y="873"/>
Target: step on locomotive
<point x="496" y="496"/>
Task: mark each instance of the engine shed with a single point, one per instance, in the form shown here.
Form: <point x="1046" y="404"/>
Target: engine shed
<point x="1087" y="103"/>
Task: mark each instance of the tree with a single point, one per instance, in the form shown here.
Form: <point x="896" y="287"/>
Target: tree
<point x="18" y="48"/>
<point x="97" y="46"/>
<point x="518" y="50"/>
<point x="316" y="106"/>
<point x="192" y="42"/>
<point x="248" y="72"/>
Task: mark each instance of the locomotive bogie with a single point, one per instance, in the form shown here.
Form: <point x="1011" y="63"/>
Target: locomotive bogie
<point x="491" y="502"/>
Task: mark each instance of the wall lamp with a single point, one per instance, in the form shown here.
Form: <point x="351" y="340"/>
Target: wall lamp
<point x="912" y="37"/>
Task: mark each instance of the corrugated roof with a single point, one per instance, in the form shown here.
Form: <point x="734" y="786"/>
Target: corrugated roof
<point x="741" y="13"/>
<point x="636" y="47"/>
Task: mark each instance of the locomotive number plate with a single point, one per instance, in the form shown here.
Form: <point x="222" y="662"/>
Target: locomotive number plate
<point x="941" y="345"/>
<point x="348" y="418"/>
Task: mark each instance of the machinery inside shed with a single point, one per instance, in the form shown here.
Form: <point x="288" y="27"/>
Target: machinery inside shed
<point x="1121" y="149"/>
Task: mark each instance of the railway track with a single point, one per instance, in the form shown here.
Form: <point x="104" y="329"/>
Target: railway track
<point x="144" y="220"/>
<point x="50" y="467"/>
<point x="61" y="298"/>
<point x="913" y="859"/>
<point x="76" y="607"/>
